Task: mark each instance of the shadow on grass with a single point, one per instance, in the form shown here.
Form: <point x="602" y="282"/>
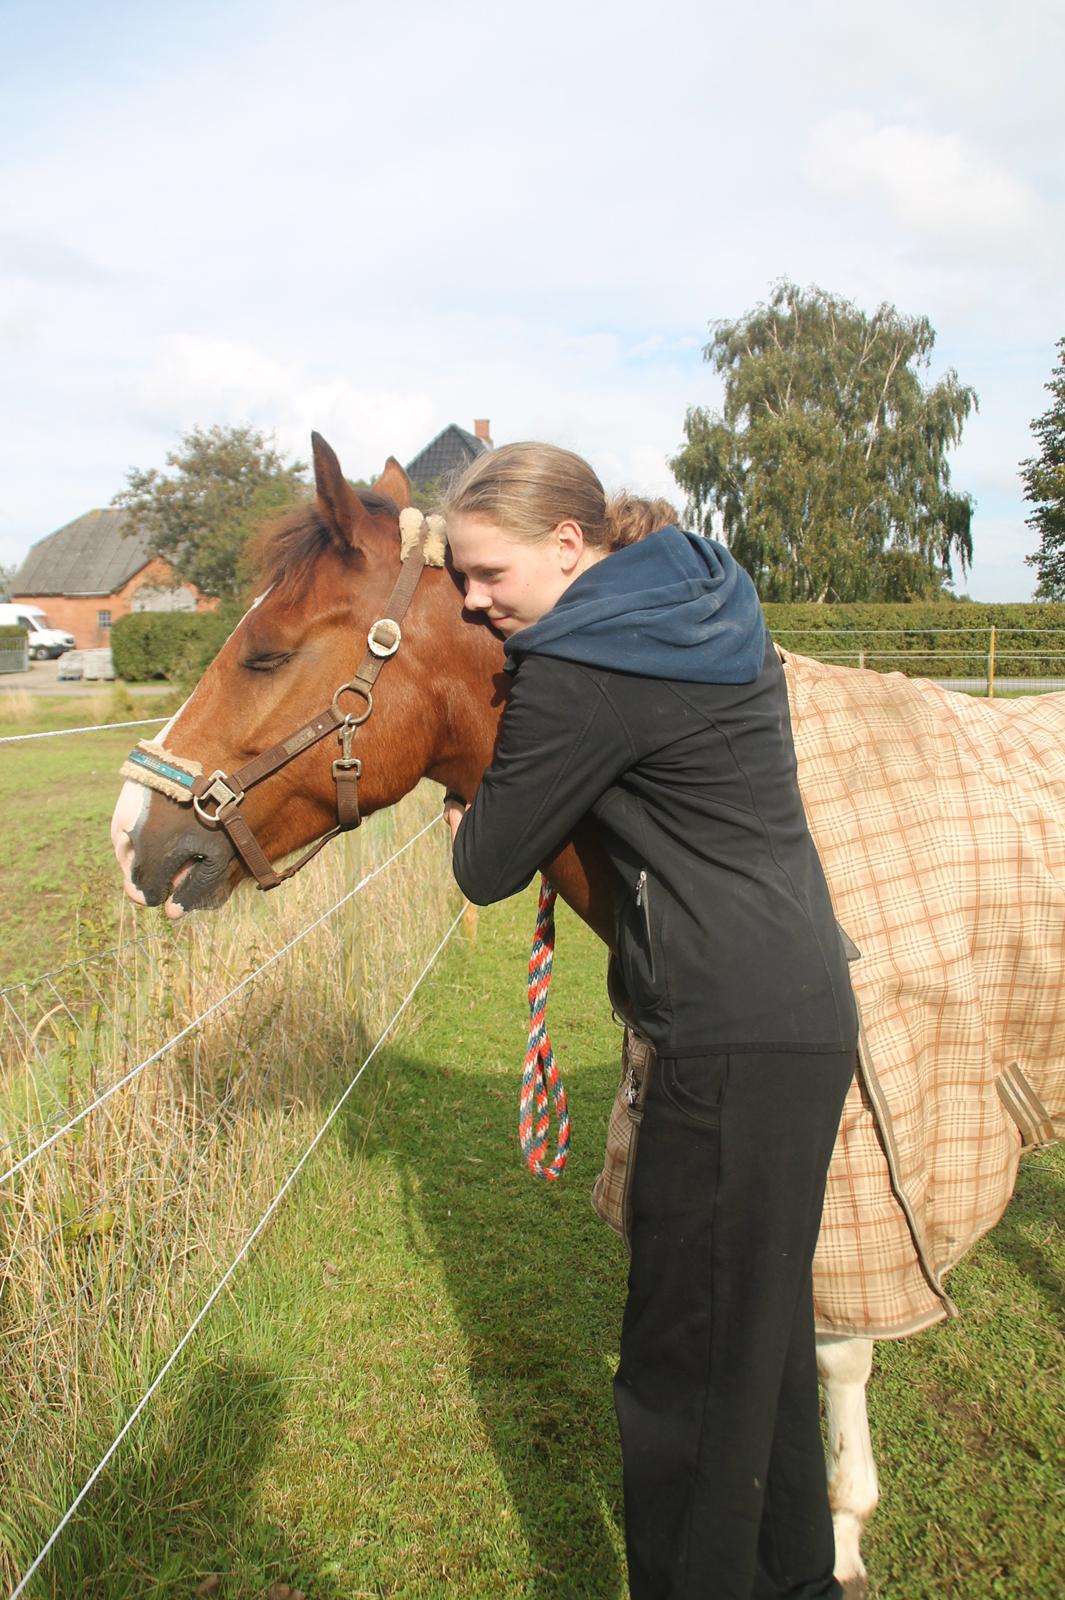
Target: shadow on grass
<point x="1038" y="1203"/>
<point x="537" y="1284"/>
<point x="174" y="1507"/>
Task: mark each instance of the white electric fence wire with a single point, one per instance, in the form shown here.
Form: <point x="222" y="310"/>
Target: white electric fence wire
<point x="97" y="957"/>
<point x="211" y="1009"/>
<point x="96" y="727"/>
<point x="220" y="1285"/>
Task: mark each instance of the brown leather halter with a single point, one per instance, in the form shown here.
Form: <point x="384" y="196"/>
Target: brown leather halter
<point x="226" y="790"/>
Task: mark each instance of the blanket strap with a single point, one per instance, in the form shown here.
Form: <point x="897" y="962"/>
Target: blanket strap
<point x="1025" y="1107"/>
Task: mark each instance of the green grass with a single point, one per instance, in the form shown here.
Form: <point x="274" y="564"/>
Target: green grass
<point x="56" y="799"/>
<point x="408" y="1392"/>
<point x="406" y="1389"/>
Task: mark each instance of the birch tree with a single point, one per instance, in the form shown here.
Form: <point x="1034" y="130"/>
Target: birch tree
<point x="827" y="468"/>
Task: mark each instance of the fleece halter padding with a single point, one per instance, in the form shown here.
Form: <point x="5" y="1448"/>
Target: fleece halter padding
<point x="155" y="766"/>
<point x="412" y="525"/>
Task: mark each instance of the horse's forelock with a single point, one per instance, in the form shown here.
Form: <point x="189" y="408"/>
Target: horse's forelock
<point x="285" y="552"/>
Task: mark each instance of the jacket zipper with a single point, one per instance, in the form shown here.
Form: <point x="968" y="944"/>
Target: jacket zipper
<point x="643" y="903"/>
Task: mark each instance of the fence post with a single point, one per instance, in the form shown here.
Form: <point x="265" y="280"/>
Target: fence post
<point x="861" y="658"/>
<point x="991" y="665"/>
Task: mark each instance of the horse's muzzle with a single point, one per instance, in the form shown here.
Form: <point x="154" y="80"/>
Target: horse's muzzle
<point x="167" y="857"/>
<point x="191" y="873"/>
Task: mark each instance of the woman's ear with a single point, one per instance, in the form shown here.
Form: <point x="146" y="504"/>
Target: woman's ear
<point x="571" y="545"/>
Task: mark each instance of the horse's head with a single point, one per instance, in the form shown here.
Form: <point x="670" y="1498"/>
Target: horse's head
<point x="328" y="572"/>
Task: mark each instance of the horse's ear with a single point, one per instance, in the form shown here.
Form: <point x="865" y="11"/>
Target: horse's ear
<point x="394" y="483"/>
<point x="340" y="506"/>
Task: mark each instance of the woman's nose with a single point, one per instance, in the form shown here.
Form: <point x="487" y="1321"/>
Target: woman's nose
<point x="477" y="597"/>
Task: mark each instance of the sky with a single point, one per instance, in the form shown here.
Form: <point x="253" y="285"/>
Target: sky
<point x="374" y="220"/>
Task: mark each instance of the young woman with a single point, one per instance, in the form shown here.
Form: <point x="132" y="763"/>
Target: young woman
<point x="647" y="692"/>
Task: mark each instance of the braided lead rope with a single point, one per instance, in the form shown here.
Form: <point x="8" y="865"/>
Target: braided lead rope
<point x="541" y="1077"/>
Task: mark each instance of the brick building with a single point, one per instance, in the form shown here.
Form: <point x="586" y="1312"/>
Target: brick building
<point x="89" y="573"/>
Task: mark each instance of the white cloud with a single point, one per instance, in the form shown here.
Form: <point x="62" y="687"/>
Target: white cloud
<point x="999" y="572"/>
<point x="936" y="185"/>
<point x="374" y="222"/>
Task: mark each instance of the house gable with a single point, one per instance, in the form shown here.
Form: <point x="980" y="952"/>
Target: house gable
<point x="451" y="451"/>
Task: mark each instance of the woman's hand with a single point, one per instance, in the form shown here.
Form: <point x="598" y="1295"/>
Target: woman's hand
<point x="455" y="808"/>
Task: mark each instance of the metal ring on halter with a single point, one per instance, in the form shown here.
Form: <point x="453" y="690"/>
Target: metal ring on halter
<point x="350" y="718"/>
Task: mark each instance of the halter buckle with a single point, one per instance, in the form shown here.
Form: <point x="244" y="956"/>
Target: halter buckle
<point x="390" y="644"/>
<point x="220" y="789"/>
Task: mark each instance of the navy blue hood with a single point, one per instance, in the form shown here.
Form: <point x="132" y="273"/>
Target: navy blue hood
<point x="673" y="605"/>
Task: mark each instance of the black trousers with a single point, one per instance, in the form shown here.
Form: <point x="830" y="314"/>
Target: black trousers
<point x="716" y="1391"/>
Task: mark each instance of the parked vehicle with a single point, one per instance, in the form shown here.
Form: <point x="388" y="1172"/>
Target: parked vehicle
<point x="44" y="641"/>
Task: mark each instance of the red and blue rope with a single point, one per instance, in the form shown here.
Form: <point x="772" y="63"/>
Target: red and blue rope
<point x="540" y="1080"/>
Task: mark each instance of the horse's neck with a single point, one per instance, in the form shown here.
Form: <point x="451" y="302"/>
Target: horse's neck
<point x="476" y="701"/>
<point x="470" y="701"/>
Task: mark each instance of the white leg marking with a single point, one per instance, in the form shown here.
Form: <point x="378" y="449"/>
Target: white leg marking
<point x="844" y="1366"/>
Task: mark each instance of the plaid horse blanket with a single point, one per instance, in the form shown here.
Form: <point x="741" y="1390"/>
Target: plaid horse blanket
<point x="940" y="820"/>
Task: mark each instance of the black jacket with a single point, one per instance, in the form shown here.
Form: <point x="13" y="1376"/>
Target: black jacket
<point x="725" y="933"/>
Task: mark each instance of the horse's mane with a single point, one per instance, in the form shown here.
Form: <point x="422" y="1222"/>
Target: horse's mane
<point x="285" y="551"/>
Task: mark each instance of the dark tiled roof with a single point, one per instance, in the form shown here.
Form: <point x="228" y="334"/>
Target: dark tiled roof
<point x="91" y="555"/>
<point x="451" y="450"/>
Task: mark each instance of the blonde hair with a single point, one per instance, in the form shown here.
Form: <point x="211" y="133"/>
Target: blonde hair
<point x="528" y="489"/>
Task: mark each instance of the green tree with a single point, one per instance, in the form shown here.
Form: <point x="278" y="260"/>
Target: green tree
<point x="7" y="576"/>
<point x="1044" y="486"/>
<point x="199" y="517"/>
<point x="828" y="464"/>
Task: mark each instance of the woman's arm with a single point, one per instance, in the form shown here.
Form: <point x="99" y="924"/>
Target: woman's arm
<point x="561" y="745"/>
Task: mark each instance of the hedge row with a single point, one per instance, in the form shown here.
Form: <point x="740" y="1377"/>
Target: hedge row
<point x="177" y="645"/>
<point x="949" y="640"/>
<point x="13" y="631"/>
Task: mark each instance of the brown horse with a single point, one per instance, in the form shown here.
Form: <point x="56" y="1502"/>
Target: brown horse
<point x="329" y="574"/>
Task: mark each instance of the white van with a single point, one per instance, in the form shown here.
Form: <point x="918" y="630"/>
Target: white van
<point x="43" y="641"/>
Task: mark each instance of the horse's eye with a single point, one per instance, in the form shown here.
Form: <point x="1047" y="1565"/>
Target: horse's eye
<point x="268" y="662"/>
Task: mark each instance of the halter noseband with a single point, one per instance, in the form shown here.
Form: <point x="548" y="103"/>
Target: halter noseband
<point x="183" y="780"/>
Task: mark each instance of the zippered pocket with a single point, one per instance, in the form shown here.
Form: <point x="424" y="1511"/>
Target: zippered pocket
<point x="643" y="904"/>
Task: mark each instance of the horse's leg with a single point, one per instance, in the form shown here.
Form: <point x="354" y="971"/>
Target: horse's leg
<point x="844" y="1365"/>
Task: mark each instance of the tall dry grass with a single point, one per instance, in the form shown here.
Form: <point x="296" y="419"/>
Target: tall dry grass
<point x="41" y="709"/>
<point x="111" y="1239"/>
<point x="17" y="706"/>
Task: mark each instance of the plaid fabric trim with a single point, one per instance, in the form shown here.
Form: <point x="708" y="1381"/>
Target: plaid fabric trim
<point x="610" y="1192"/>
